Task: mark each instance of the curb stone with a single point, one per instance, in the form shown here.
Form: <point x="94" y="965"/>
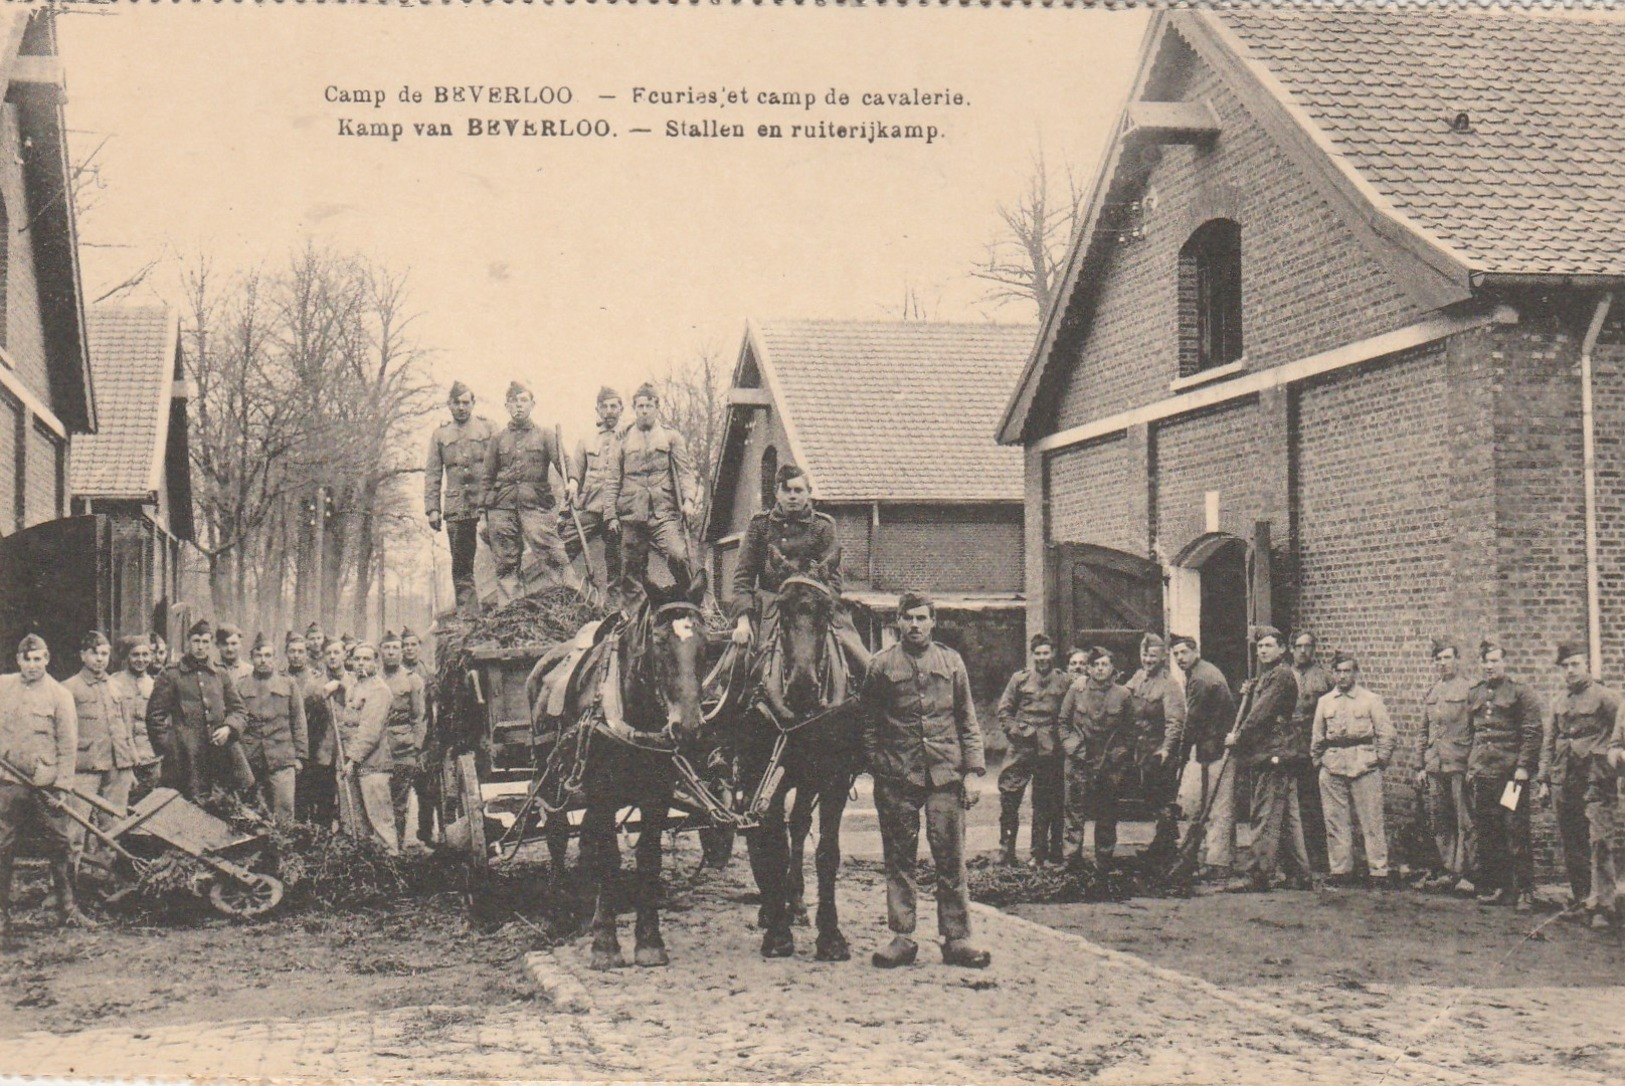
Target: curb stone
<point x="557" y="984"/>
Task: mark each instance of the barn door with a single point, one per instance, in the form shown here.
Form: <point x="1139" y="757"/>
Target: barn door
<point x="1100" y="596"/>
<point x="56" y="581"/>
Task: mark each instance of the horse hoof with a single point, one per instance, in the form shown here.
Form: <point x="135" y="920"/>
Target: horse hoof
<point x="833" y="948"/>
<point x="605" y="960"/>
<point x="778" y="944"/>
<point x="651" y="955"/>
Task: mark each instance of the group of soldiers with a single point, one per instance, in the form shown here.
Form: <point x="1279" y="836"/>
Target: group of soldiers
<point x="1484" y="753"/>
<point x="333" y="732"/>
<point x="626" y="491"/>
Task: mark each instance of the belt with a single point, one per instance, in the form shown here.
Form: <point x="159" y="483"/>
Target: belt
<point x="1350" y="742"/>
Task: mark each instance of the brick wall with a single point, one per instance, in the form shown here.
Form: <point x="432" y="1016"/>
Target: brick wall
<point x="852" y="522"/>
<point x="1220" y="449"/>
<point x="45" y="455"/>
<point x="949" y="548"/>
<point x="1307" y="285"/>
<point x="9" y="409"/>
<point x="1091" y="495"/>
<point x="24" y="333"/>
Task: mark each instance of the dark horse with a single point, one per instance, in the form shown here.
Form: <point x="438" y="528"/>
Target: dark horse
<point x="634" y="696"/>
<point x="802" y="719"/>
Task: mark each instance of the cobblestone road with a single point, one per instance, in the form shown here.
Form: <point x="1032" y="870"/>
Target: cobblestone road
<point x="1052" y="1008"/>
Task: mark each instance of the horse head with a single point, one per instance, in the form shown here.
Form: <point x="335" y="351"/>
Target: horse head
<point x="806" y="607"/>
<point x="672" y="653"/>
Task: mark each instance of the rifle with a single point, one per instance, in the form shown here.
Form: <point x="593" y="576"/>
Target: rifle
<point x="1196" y="835"/>
<point x="575" y="515"/>
<point x="345" y="783"/>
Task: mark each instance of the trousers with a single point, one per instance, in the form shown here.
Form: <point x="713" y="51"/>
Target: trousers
<point x="1505" y="858"/>
<point x="463" y="535"/>
<point x="1090" y="791"/>
<point x="277" y="791"/>
<point x="379" y="809"/>
<point x="638" y="538"/>
<point x="604" y="548"/>
<point x="899" y="805"/>
<point x="532" y="529"/>
<point x="19" y="805"/>
<point x="1347" y="798"/>
<point x="1277" y="821"/>
<point x="1220" y="841"/>
<point x="1586" y="826"/>
<point x="1451" y="817"/>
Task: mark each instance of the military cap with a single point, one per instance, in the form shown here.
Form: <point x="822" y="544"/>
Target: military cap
<point x="1096" y="652"/>
<point x="32" y="643"/>
<point x="647" y="390"/>
<point x="516" y="389"/>
<point x="407" y="631"/>
<point x="93" y="639"/>
<point x="1442" y="645"/>
<point x="1487" y="646"/>
<point x="291" y="636"/>
<point x="913" y="601"/>
<point x="1152" y="638"/>
<point x="1039" y="639"/>
<point x="607" y="394"/>
<point x="390" y="637"/>
<point x="260" y="642"/>
<point x="1261" y="632"/>
<point x="225" y="632"/>
<point x="199" y="628"/>
<point x="1344" y="658"/>
<point x="458" y="389"/>
<point x="1181" y="639"/>
<point x="1567" y="650"/>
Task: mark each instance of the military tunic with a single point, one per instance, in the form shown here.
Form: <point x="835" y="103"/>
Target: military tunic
<point x="1097" y="734"/>
<point x="457" y="452"/>
<point x="1575" y="763"/>
<point x="1505" y="721"/>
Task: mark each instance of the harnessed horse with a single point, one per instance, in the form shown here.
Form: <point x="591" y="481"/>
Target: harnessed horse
<point x="631" y="701"/>
<point x="800" y="732"/>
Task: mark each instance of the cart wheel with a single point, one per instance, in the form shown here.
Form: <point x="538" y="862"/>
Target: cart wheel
<point x="473" y="808"/>
<point x="256" y="896"/>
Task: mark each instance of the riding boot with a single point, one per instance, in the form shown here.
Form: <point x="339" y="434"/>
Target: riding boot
<point x="67" y="910"/>
<point x="1009" y="826"/>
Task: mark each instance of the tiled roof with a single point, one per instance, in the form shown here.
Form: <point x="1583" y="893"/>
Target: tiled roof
<point x="1537" y="183"/>
<point x="905" y="411"/>
<point x="132" y="359"/>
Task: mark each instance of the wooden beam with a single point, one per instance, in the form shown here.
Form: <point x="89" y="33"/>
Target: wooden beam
<point x="1172" y="122"/>
<point x="749" y="397"/>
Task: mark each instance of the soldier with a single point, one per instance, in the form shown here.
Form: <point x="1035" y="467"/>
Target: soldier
<point x="1096" y="723"/>
<point x="1027" y="713"/>
<point x="1314" y="683"/>
<point x="364" y="722"/>
<point x="1210" y="712"/>
<point x="408" y="723"/>
<point x="160" y="655"/>
<point x="1442" y="745"/>
<point x="457" y="451"/>
<point x="651" y="490"/>
<point x="275" y="739"/>
<point x="800" y="536"/>
<point x="1352" y="740"/>
<point x="195" y="719"/>
<point x="1271" y="742"/>
<point x="106" y="761"/>
<point x="1504" y="717"/>
<point x="39" y="737"/>
<point x="228" y="640"/>
<point x="519" y="498"/>
<point x="427" y="782"/>
<point x="1575" y="761"/>
<point x="314" y="796"/>
<point x="586" y="489"/>
<point x="922" y="740"/>
<point x="1159" y="736"/>
<point x="134" y="684"/>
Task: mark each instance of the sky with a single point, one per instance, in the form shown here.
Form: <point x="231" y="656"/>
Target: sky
<point x="573" y="263"/>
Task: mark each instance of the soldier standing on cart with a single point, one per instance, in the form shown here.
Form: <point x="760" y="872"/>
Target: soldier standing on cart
<point x="652" y="491"/>
<point x="457" y="451"/>
<point x="519" y="498"/>
<point x="586" y="491"/>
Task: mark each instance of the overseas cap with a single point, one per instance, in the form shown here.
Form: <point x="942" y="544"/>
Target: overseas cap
<point x="459" y="389"/>
<point x="647" y="390"/>
<point x="516" y="389"/>
<point x="1567" y="650"/>
<point x="606" y="394"/>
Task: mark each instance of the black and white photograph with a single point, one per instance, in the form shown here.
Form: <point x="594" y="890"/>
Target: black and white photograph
<point x="675" y="542"/>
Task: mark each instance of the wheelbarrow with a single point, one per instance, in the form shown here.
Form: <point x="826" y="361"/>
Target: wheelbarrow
<point x="163" y="821"/>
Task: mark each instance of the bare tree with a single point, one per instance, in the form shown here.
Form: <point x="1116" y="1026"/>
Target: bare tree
<point x="694" y="397"/>
<point x="1026" y="261"/>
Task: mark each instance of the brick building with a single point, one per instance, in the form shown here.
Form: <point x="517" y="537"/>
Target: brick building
<point x="892" y="422"/>
<point x="1340" y="347"/>
<point x="136" y="469"/>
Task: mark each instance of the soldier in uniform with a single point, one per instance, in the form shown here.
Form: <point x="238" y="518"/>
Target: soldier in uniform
<point x="364" y="722"/>
<point x="519" y="498"/>
<point x="275" y="738"/>
<point x="457" y="452"/>
<point x="427" y="784"/>
<point x="1097" y="733"/>
<point x="1028" y="711"/>
<point x="195" y="719"/>
<point x="407" y="725"/>
<point x="1504" y="717"/>
<point x="1210" y="712"/>
<point x="315" y="799"/>
<point x="1314" y="683"/>
<point x="586" y="489"/>
<point x="922" y="740"/>
<point x="1442" y="745"/>
<point x="1277" y="750"/>
<point x="228" y="641"/>
<point x="107" y="758"/>
<point x="650" y="494"/>
<point x="39" y="737"/>
<point x="1575" y="762"/>
<point x="1159" y="736"/>
<point x="134" y="684"/>
<point x="1352" y="740"/>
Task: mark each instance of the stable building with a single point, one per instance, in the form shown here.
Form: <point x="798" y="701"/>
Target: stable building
<point x="893" y="423"/>
<point x="1340" y="347"/>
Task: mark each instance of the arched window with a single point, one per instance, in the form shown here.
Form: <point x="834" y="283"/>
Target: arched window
<point x="770" y="469"/>
<point x="1210" y="297"/>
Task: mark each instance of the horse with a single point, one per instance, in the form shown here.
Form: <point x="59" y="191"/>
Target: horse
<point x="800" y="720"/>
<point x="631" y="698"/>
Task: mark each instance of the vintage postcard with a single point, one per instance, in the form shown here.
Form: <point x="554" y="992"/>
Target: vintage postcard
<point x="811" y="543"/>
